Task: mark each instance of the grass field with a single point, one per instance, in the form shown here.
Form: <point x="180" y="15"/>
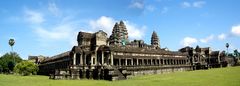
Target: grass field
<point x="214" y="77"/>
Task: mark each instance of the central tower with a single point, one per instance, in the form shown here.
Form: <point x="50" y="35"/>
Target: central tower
<point x="119" y="34"/>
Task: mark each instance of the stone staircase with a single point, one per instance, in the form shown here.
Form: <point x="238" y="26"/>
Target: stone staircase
<point x="116" y="74"/>
<point x="119" y="74"/>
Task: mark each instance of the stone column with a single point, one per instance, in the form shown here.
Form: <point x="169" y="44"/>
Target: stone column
<point x="193" y="58"/>
<point x="179" y="62"/>
<point x="85" y="58"/>
<point x="96" y="58"/>
<point x="74" y="59"/>
<point x="142" y="62"/>
<point x="219" y="61"/>
<point x="151" y="63"/>
<point x="131" y="61"/>
<point x="92" y="60"/>
<point x="111" y="57"/>
<point x="137" y="61"/>
<point x="119" y="62"/>
<point x="102" y="57"/>
<point x="164" y="62"/>
<point x="167" y="61"/>
<point x="125" y="61"/>
<point x="156" y="62"/>
<point x="160" y="63"/>
<point x="81" y="59"/>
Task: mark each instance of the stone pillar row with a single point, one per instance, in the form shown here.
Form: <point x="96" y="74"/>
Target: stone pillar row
<point x="149" y="61"/>
<point x="152" y="61"/>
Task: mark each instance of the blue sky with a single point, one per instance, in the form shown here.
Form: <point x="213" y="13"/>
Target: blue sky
<point x="50" y="27"/>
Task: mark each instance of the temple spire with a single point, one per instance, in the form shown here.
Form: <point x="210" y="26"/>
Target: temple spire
<point x="119" y="34"/>
<point x="155" y="40"/>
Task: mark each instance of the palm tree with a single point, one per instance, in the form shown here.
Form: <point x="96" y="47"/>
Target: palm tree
<point x="11" y="42"/>
<point x="227" y="45"/>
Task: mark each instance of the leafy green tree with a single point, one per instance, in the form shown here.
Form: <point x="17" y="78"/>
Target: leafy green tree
<point x="26" y="68"/>
<point x="236" y="53"/>
<point x="1" y="69"/>
<point x="7" y="61"/>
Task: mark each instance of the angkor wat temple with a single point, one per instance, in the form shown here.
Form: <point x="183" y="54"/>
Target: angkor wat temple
<point x="117" y="58"/>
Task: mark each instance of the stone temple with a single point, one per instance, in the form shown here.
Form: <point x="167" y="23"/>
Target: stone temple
<point x="117" y="58"/>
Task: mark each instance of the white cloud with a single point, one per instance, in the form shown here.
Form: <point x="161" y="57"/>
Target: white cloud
<point x="188" y="41"/>
<point x="106" y="24"/>
<point x="33" y="16"/>
<point x="103" y="23"/>
<point x="186" y="4"/>
<point x="222" y="36"/>
<point x="66" y="28"/>
<point x="207" y="39"/>
<point x="52" y="7"/>
<point x="134" y="31"/>
<point x="199" y="4"/>
<point x="59" y="32"/>
<point x="236" y="30"/>
<point x="63" y="29"/>
<point x="62" y="32"/>
<point x="141" y="7"/>
<point x="137" y="4"/>
<point x="196" y="4"/>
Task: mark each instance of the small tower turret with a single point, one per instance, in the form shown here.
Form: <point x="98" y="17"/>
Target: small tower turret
<point x="155" y="40"/>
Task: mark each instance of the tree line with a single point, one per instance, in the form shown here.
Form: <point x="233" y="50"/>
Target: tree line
<point x="12" y="63"/>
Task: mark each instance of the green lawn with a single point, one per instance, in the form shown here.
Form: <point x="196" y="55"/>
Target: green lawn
<point x="214" y="77"/>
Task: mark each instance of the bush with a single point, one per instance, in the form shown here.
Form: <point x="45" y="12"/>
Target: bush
<point x="8" y="61"/>
<point x="26" y="68"/>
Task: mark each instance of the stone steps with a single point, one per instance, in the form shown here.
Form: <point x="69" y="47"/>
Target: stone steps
<point x="116" y="74"/>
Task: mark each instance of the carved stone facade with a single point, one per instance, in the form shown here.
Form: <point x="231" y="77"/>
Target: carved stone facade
<point x="115" y="58"/>
<point x="119" y="34"/>
<point x="155" y="40"/>
<point x="203" y="58"/>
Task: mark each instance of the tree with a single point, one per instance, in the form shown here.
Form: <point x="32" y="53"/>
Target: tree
<point x="7" y="61"/>
<point x="11" y="65"/>
<point x="227" y="45"/>
<point x="11" y="42"/>
<point x="236" y="53"/>
<point x="1" y="69"/>
<point x="26" y="68"/>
